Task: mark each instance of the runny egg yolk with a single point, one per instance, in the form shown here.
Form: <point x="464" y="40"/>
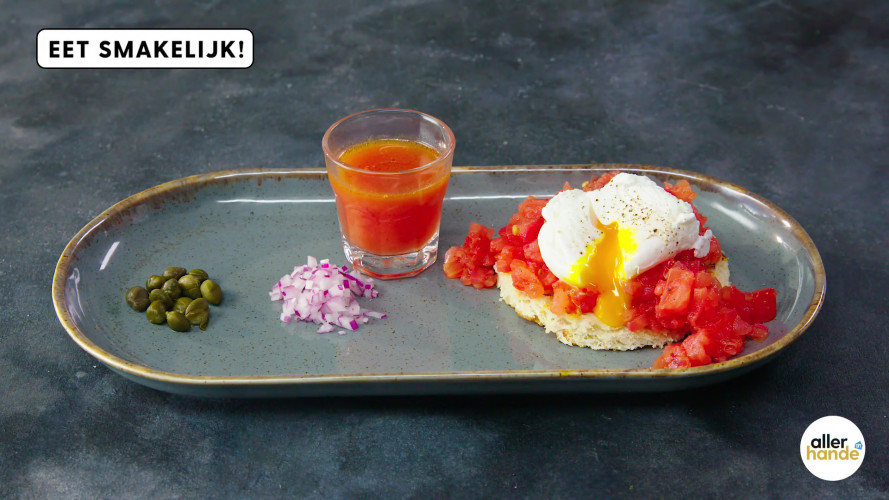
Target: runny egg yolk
<point x="602" y="265"/>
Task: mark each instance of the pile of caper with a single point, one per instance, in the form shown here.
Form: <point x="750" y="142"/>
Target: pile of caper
<point x="177" y="297"/>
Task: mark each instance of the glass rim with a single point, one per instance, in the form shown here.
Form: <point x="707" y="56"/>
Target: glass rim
<point x="452" y="143"/>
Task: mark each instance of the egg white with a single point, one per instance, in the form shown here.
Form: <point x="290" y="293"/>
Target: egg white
<point x="569" y="229"/>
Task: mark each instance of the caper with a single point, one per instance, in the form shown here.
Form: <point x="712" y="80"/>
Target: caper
<point x="211" y="291"/>
<point x="171" y="286"/>
<point x="156" y="312"/>
<point x="191" y="286"/>
<point x="159" y="294"/>
<point x="177" y="322"/>
<point x="137" y="298"/>
<point x="200" y="317"/>
<point x="198" y="311"/>
<point x="178" y="297"/>
<point x="197" y="305"/>
<point x="154" y="281"/>
<point x="200" y="274"/>
<point x="174" y="273"/>
<point x="181" y="304"/>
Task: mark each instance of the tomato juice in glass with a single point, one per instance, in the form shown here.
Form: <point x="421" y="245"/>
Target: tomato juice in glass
<point x="389" y="171"/>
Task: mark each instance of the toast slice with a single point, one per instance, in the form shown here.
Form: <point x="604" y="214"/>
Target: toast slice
<point x="586" y="330"/>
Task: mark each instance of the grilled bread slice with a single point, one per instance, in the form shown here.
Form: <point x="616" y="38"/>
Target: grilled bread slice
<point x="586" y="330"/>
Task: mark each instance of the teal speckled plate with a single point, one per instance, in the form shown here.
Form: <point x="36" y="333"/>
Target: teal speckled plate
<point x="250" y="227"/>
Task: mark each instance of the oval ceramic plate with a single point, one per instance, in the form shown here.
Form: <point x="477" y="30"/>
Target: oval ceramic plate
<point x="248" y="228"/>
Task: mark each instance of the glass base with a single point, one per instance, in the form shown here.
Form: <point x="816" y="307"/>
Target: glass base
<point x="390" y="267"/>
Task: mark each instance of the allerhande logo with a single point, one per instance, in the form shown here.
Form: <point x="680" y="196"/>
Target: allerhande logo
<point x="832" y="448"/>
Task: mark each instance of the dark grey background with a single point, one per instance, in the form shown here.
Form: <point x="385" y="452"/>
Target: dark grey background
<point x="786" y="98"/>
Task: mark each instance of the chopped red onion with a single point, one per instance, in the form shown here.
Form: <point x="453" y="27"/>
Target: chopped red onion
<point x="324" y="294"/>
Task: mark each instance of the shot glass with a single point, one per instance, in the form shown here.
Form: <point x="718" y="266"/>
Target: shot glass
<point x="389" y="170"/>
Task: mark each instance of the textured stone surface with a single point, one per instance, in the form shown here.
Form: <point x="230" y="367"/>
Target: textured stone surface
<point x="786" y="98"/>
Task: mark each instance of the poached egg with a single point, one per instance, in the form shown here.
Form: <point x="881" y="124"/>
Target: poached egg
<point x="604" y="237"/>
